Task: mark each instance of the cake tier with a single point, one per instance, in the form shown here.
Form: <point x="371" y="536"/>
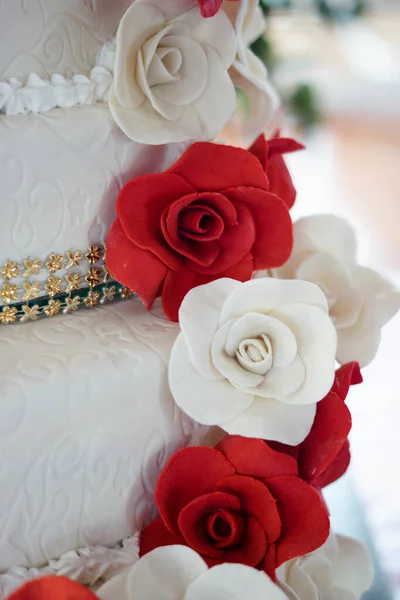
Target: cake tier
<point x="86" y="425"/>
<point x="60" y="175"/>
<point x="54" y="36"/>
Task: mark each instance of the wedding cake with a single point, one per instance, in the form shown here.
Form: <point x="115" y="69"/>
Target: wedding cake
<point x="228" y="323"/>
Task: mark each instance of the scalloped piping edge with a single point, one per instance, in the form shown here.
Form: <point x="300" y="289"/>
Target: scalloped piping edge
<point x="42" y="95"/>
<point x="90" y="566"/>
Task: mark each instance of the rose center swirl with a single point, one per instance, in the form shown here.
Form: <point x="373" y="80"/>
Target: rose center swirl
<point x="255" y="354"/>
<point x="225" y="528"/>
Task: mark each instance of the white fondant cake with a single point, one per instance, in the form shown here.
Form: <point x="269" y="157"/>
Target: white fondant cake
<point x="86" y="425"/>
<point x="60" y="175"/>
<point x="54" y="36"/>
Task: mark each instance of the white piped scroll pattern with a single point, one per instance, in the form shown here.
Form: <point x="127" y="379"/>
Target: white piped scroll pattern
<point x="54" y="36"/>
<point x="43" y="208"/>
<point x="86" y="425"/>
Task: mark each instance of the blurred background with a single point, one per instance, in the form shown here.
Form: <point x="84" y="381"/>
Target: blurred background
<point x="336" y="64"/>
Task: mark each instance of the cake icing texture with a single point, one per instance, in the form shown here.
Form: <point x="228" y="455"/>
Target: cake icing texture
<point x="54" y="36"/>
<point x="60" y="174"/>
<point x="86" y="424"/>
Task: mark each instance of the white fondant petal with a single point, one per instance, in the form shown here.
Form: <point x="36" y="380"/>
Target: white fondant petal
<point x="228" y="366"/>
<point x="335" y="279"/>
<point x="316" y="343"/>
<point x="213" y="114"/>
<point x="198" y="318"/>
<point x="215" y="32"/>
<point x="251" y="325"/>
<point x="138" y="24"/>
<point x="270" y="419"/>
<point x="358" y="344"/>
<point x="381" y="297"/>
<point x="327" y="233"/>
<point x="352" y="568"/>
<point x="233" y="582"/>
<point x="262" y="96"/>
<point x="265" y="295"/>
<point x="207" y="401"/>
<point x="281" y="383"/>
<point x="166" y="572"/>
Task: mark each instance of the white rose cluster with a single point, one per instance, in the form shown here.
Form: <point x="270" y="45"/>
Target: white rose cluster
<point x="340" y="570"/>
<point x="175" y="72"/>
<point x="255" y="357"/>
<point x="179" y="573"/>
<point x="171" y="80"/>
<point x="360" y="300"/>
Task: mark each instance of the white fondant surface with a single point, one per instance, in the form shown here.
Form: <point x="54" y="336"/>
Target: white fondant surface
<point x="60" y="176"/>
<point x="86" y="425"/>
<point x="54" y="36"/>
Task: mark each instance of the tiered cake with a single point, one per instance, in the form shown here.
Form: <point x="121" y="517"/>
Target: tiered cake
<point x="87" y="420"/>
<point x="179" y="451"/>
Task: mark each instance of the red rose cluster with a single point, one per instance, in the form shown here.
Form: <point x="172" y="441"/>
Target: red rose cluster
<point x="240" y="502"/>
<point x="251" y="501"/>
<point x="218" y="212"/>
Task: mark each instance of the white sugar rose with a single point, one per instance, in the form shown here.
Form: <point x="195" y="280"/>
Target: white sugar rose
<point x="360" y="300"/>
<point x="248" y="71"/>
<point x="179" y="573"/>
<point x="255" y="357"/>
<point x="340" y="570"/>
<point x="171" y="80"/>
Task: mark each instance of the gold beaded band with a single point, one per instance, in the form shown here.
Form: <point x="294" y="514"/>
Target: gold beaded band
<point x="64" y="303"/>
<point x="59" y="284"/>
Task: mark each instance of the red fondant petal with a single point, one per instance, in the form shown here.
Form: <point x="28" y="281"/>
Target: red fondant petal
<point x="235" y="243"/>
<point x="280" y="145"/>
<point x="305" y="520"/>
<point x="269" y="563"/>
<point x="137" y="269"/>
<point x="255" y="458"/>
<point x="52" y="587"/>
<point x="140" y="206"/>
<point x="348" y="374"/>
<point x="192" y="521"/>
<point x="253" y="547"/>
<point x="274" y="238"/>
<point x="260" y="150"/>
<point x="335" y="469"/>
<point x="328" y="434"/>
<point x="209" y="8"/>
<point x="177" y="284"/>
<point x="200" y="252"/>
<point x="280" y="181"/>
<point x="155" y="535"/>
<point x="214" y="167"/>
<point x="226" y="528"/>
<point x="189" y="473"/>
<point x="256" y="500"/>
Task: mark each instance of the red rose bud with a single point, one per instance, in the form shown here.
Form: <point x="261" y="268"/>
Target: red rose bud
<point x="324" y="455"/>
<point x="270" y="154"/>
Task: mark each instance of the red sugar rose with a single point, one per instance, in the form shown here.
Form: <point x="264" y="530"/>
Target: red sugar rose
<point x="324" y="455"/>
<point x="52" y="587"/>
<point x="269" y="153"/>
<point x="210" y="216"/>
<point x="240" y="502"/>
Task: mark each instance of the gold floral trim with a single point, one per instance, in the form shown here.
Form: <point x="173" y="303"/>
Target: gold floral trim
<point x="60" y="284"/>
<point x="34" y="278"/>
<point x="64" y="303"/>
